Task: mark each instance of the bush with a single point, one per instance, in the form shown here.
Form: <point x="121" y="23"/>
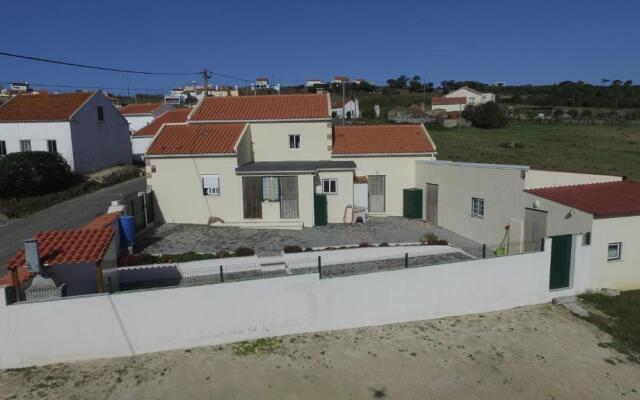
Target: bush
<point x="308" y="249"/>
<point x="243" y="252"/>
<point x="512" y="145"/>
<point x="383" y="244"/>
<point x="363" y="244"/>
<point x="485" y="116"/>
<point x="33" y="173"/>
<point x="292" y="249"/>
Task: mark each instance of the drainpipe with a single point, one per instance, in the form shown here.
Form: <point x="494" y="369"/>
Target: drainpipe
<point x="99" y="278"/>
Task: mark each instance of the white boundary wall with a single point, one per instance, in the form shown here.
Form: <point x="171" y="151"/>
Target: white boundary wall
<point x="131" y="323"/>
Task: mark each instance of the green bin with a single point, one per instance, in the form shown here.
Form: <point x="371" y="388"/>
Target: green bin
<point x="412" y="203"/>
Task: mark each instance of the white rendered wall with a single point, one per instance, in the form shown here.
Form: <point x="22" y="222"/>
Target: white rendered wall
<point x="538" y="178"/>
<point x="622" y="274"/>
<point x="39" y="133"/>
<point x="138" y="121"/>
<point x="154" y="320"/>
<point x="140" y="144"/>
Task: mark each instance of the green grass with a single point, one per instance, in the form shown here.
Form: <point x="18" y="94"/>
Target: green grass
<point x="256" y="347"/>
<point x="622" y="320"/>
<point x="598" y="149"/>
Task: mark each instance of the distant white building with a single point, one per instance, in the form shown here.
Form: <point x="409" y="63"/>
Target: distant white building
<point x="140" y="115"/>
<point x="472" y="96"/>
<point x="448" y="104"/>
<point x="351" y="108"/>
<point x="179" y="96"/>
<point x="264" y="84"/>
<point x="85" y="128"/>
<point x="310" y="83"/>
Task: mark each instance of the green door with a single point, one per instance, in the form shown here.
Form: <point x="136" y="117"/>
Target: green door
<point x="560" y="262"/>
<point x="320" y="209"/>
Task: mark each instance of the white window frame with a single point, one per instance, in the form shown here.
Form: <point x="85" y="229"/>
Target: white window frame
<point x="477" y="207"/>
<point x="330" y="181"/>
<point x="618" y="256"/>
<point x="3" y="148"/>
<point x="272" y="197"/>
<point x="55" y="144"/>
<point x="293" y="136"/>
<point x="210" y="191"/>
<point x="25" y="143"/>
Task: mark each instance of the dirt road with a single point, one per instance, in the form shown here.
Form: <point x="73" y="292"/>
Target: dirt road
<point x="540" y="352"/>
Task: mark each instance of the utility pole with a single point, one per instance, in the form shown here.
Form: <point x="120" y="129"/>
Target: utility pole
<point x="205" y="76"/>
<point x="343" y="103"/>
<point x="424" y="94"/>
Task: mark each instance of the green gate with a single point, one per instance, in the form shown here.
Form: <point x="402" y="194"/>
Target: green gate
<point x="560" y="275"/>
<point x="320" y="209"/>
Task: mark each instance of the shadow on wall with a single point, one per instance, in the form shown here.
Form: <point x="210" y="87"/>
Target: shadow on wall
<point x="149" y="277"/>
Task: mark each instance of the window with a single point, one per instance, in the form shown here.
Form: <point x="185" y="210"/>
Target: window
<point x="100" y="113"/>
<point x="3" y="148"/>
<point x="52" y="146"/>
<point x="477" y="207"/>
<point x="294" y="141"/>
<point x="330" y="186"/>
<point x="25" y="145"/>
<point x="472" y="100"/>
<point x="211" y="185"/>
<point x="270" y="188"/>
<point x="613" y="253"/>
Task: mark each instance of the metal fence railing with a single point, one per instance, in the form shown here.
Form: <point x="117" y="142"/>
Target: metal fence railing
<point x="326" y="264"/>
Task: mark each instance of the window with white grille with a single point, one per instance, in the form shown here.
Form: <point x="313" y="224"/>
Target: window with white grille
<point x="211" y="185"/>
<point x="477" y="207"/>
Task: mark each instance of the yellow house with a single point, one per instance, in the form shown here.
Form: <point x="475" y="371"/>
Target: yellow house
<point x="277" y="162"/>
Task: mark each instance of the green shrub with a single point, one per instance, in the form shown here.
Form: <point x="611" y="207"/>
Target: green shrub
<point x="292" y="249"/>
<point x="33" y="173"/>
<point x="243" y="252"/>
<point x="485" y="116"/>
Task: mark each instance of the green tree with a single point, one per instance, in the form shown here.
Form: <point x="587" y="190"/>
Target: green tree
<point x="486" y="116"/>
<point x="33" y="173"/>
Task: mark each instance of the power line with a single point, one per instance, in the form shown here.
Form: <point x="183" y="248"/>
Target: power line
<point x="82" y="87"/>
<point x="46" y="60"/>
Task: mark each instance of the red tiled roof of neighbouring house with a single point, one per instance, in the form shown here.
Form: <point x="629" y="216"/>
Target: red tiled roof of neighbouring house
<point x="146" y="108"/>
<point x="196" y="139"/>
<point x="253" y="108"/>
<point x="382" y="139"/>
<point x="442" y="101"/>
<point x="103" y="221"/>
<point x="603" y="200"/>
<point x="262" y="79"/>
<point x="337" y="103"/>
<point x="23" y="276"/>
<point x="69" y="246"/>
<point x="170" y="117"/>
<point x="42" y="107"/>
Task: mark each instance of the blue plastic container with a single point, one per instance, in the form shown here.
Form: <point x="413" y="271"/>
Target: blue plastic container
<point x="127" y="228"/>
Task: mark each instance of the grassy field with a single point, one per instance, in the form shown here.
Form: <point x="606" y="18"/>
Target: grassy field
<point x="599" y="149"/>
<point x="622" y="320"/>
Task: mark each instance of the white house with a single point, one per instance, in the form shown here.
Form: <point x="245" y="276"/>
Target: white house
<point x="449" y="104"/>
<point x="311" y="83"/>
<point x="351" y="108"/>
<point x="473" y="96"/>
<point x="140" y="115"/>
<point x="277" y="162"/>
<point x="84" y="127"/>
<point x="141" y="139"/>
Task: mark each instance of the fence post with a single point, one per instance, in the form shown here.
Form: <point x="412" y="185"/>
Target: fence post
<point x="484" y="251"/>
<point x="221" y="274"/>
<point x="320" y="267"/>
<point x="406" y="260"/>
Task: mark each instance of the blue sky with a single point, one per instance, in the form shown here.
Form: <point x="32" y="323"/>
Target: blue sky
<point x="487" y="40"/>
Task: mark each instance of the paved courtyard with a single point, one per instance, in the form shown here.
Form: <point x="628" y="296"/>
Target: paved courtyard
<point x="181" y="238"/>
<point x="541" y="352"/>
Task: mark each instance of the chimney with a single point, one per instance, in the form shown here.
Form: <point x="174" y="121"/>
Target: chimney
<point x="32" y="256"/>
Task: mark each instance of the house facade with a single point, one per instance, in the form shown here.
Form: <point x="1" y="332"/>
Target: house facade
<point x="142" y="138"/>
<point x="140" y="115"/>
<point x="350" y="109"/>
<point x="78" y="126"/>
<point x="472" y="96"/>
<point x="272" y="161"/>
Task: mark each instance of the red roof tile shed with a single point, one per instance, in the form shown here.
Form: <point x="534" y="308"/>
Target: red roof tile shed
<point x="42" y="107"/>
<point x="382" y="139"/>
<point x="181" y="139"/>
<point x="602" y="200"/>
<point x="255" y="108"/>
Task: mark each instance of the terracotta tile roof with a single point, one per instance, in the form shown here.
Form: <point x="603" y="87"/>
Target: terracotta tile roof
<point x="42" y="107"/>
<point x="103" y="221"/>
<point x="23" y="276"/>
<point x="196" y="139"/>
<point x="146" y="108"/>
<point x="252" y="108"/>
<point x="170" y="117"/>
<point x="603" y="200"/>
<point x="70" y="246"/>
<point x="441" y="101"/>
<point x="377" y="139"/>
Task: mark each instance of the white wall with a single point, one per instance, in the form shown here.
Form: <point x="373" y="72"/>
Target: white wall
<point x="155" y="320"/>
<point x="140" y="144"/>
<point x="99" y="144"/>
<point x="352" y="106"/>
<point x="337" y="203"/>
<point x="560" y="220"/>
<point x="449" y="107"/>
<point x="39" y="133"/>
<point x="138" y="121"/>
<point x="623" y="274"/>
<point x="539" y="178"/>
<point x="501" y="187"/>
<point x="271" y="141"/>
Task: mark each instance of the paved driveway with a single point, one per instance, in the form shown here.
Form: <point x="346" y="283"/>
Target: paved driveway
<point x="70" y="214"/>
<point x="180" y="238"/>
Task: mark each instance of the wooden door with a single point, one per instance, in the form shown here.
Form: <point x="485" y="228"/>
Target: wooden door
<point x="535" y="228"/>
<point x="431" y="205"/>
<point x="288" y="197"/>
<point x="376" y="193"/>
<point x="252" y="196"/>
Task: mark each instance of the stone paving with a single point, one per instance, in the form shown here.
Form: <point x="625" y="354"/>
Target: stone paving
<point x="181" y="238"/>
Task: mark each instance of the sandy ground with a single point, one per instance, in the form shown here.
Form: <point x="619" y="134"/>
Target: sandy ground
<point x="541" y="352"/>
